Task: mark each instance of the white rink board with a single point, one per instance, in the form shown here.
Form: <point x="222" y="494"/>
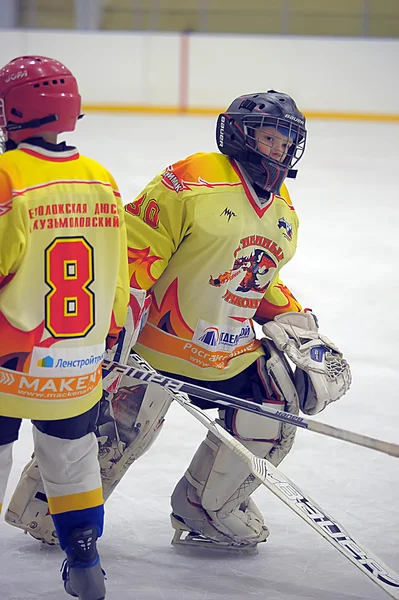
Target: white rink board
<point x="145" y="69"/>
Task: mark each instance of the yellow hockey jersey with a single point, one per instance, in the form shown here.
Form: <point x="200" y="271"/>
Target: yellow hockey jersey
<point x="211" y="252"/>
<point x="64" y="282"/>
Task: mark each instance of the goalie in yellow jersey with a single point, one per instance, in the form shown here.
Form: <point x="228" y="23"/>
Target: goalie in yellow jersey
<point x="64" y="290"/>
<point x="207" y="238"/>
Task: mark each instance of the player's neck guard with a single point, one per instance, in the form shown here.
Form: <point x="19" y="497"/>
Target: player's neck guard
<point x="265" y="174"/>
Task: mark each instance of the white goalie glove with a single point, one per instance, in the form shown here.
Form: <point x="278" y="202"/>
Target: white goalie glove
<point x="322" y="374"/>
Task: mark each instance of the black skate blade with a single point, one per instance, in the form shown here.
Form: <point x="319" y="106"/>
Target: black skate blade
<point x="188" y="541"/>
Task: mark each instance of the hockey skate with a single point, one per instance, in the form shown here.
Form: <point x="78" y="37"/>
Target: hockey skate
<point x="184" y="536"/>
<point x="82" y="573"/>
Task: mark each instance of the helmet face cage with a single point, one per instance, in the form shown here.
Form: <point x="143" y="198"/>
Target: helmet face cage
<point x="281" y="140"/>
<point x="3" y="123"/>
<point x="266" y="133"/>
<point x="3" y="142"/>
<point x="3" y="120"/>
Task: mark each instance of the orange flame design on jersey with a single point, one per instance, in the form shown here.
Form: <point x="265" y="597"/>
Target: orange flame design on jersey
<point x="267" y="310"/>
<point x="17" y="344"/>
<point x="140" y="263"/>
<point x="198" y="171"/>
<point x="167" y="316"/>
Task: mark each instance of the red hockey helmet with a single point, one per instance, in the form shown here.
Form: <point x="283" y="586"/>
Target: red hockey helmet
<point x="37" y="94"/>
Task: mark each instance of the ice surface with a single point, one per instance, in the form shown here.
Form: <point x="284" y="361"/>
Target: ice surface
<point x="347" y="199"/>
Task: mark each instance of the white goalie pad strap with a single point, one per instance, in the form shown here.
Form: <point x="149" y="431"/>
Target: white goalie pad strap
<point x="28" y="508"/>
<point x="139" y="306"/>
<point x="5" y="468"/>
<point x="328" y="373"/>
<point x="251" y="427"/>
<point x="279" y="376"/>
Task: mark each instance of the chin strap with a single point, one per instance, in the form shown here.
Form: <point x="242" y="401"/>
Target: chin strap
<point x="33" y="124"/>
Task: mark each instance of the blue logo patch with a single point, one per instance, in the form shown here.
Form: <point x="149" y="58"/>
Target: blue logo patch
<point x="317" y="353"/>
<point x="210" y="337"/>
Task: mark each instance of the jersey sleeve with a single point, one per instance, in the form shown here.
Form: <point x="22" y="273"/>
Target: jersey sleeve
<point x="122" y="293"/>
<point x="157" y="222"/>
<point x="277" y="299"/>
<point x="12" y="232"/>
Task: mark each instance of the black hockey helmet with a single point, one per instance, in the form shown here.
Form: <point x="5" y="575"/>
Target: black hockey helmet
<point x="237" y="135"/>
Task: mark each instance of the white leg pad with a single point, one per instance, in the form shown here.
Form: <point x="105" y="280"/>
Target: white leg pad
<point x="213" y="497"/>
<point x="5" y="469"/>
<point x="28" y="508"/>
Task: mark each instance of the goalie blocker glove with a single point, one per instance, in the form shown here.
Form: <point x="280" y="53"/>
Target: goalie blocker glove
<point x="322" y="374"/>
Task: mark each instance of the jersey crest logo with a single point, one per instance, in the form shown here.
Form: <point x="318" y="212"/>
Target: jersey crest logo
<point x="286" y="226"/>
<point x="250" y="267"/>
<point x="255" y="261"/>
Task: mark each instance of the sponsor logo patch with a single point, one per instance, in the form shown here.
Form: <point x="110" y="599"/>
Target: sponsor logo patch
<point x="222" y="337"/>
<point x="58" y="362"/>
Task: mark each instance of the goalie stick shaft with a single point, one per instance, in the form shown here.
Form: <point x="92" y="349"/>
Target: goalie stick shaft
<point x="306" y="508"/>
<point x="293" y="497"/>
<point x="225" y="400"/>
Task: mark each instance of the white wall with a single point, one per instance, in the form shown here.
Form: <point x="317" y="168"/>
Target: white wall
<point x="324" y="74"/>
<point x="329" y="75"/>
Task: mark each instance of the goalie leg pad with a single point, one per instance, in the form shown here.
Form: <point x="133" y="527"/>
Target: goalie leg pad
<point x="129" y="422"/>
<point x="213" y="497"/>
<point x="5" y="469"/>
<point x="28" y="508"/>
<point x="9" y="430"/>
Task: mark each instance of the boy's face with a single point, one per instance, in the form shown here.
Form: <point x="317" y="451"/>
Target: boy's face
<point x="272" y="143"/>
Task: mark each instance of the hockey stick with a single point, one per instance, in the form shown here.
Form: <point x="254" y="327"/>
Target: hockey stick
<point x="226" y="400"/>
<point x="287" y="491"/>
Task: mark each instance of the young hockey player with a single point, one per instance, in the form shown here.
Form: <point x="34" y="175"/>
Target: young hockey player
<point x="64" y="288"/>
<point x="208" y="238"/>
